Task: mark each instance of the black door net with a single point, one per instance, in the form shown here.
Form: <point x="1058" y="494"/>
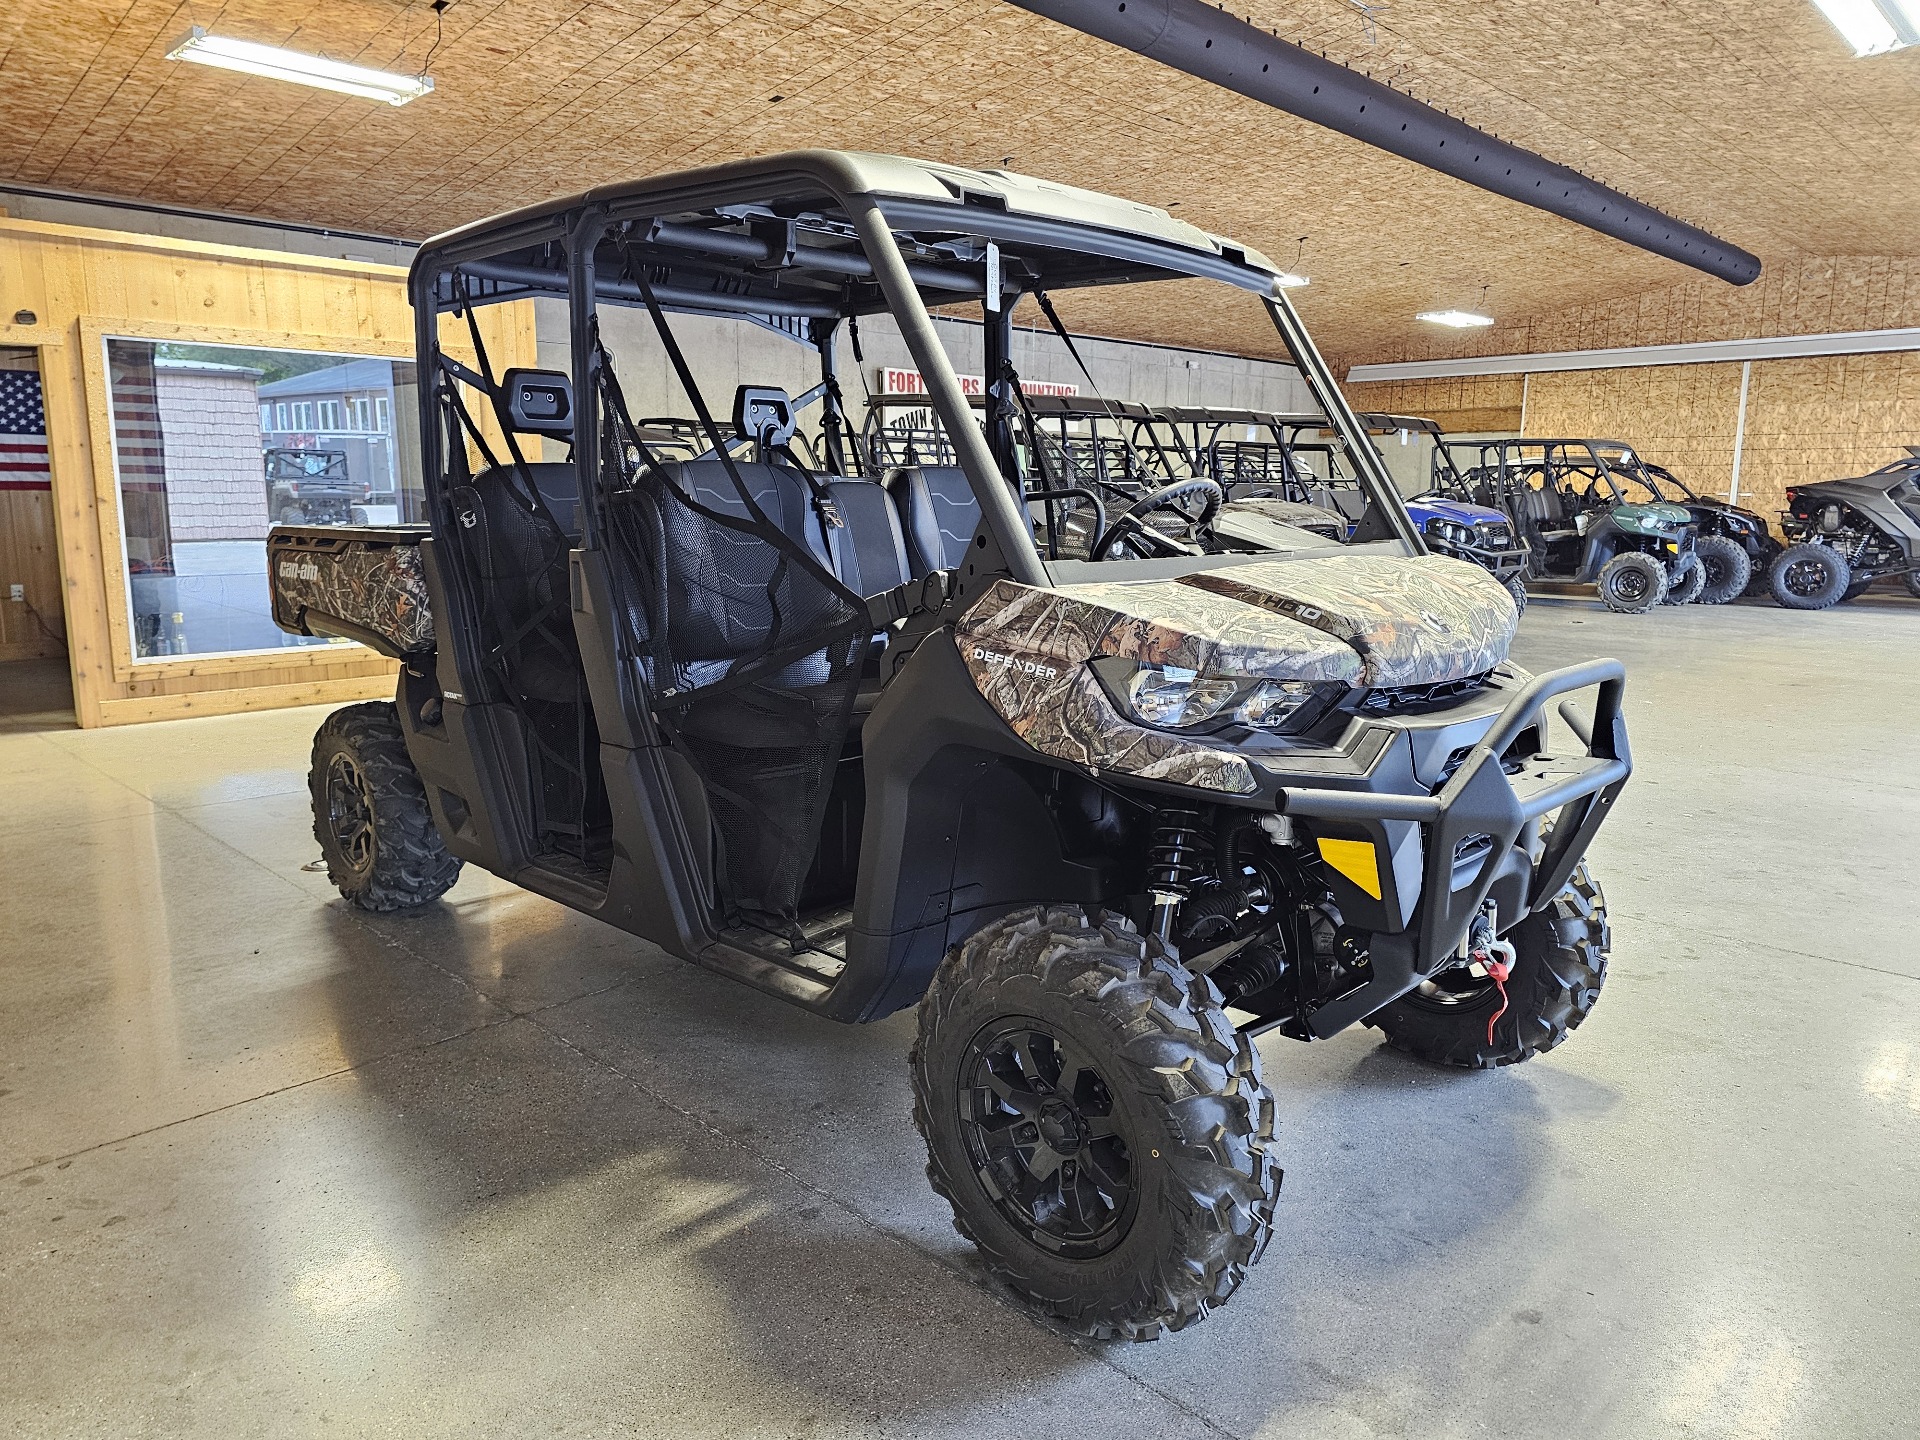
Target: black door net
<point x="748" y="647"/>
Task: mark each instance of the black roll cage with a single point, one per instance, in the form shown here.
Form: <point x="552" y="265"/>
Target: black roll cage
<point x="759" y="255"/>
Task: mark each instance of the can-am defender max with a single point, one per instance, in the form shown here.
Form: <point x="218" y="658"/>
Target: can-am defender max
<point x="1845" y="534"/>
<point x="863" y="745"/>
<point x="1573" y="511"/>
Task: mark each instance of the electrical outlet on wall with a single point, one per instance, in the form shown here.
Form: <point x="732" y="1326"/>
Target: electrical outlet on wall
<point x="16" y="592"/>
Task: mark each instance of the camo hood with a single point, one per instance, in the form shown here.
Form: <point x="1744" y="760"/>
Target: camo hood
<point x="1362" y="620"/>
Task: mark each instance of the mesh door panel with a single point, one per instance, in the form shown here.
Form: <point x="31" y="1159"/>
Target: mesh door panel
<point x="749" y="651"/>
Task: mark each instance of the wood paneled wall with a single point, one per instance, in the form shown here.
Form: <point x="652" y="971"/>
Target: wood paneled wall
<point x="1466" y="404"/>
<point x="79" y="285"/>
<point x="29" y="558"/>
<point x="1679" y="416"/>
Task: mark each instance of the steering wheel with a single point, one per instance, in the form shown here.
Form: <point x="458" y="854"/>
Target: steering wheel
<point x="1129" y="526"/>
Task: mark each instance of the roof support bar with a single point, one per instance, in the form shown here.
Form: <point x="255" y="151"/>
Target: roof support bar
<point x="1212" y="45"/>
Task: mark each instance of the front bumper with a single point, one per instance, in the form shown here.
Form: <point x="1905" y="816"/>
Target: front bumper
<point x="1505" y="561"/>
<point x="1480" y="799"/>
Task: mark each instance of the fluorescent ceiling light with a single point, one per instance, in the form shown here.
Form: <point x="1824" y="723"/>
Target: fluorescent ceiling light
<point x="1874" y="27"/>
<point x="1458" y="319"/>
<point x="278" y="64"/>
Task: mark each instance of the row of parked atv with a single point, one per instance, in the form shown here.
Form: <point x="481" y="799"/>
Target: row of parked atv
<point x="1575" y="510"/>
<point x="1594" y="511"/>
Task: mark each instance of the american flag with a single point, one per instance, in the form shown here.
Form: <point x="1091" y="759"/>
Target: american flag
<point x="23" y="433"/>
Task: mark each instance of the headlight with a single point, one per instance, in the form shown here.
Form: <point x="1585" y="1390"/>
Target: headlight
<point x="1169" y="697"/>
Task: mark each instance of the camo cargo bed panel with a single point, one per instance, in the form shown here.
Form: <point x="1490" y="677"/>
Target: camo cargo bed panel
<point x="362" y="582"/>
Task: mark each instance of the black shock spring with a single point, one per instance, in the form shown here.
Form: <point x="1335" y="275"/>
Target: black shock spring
<point x="1179" y="850"/>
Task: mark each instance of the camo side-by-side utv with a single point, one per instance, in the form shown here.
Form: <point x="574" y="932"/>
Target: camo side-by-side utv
<point x="1572" y="510"/>
<point x="867" y="741"/>
<point x="1844" y="534"/>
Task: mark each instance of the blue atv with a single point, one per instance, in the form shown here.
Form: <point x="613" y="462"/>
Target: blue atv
<point x="1456" y="527"/>
<point x="1263" y="459"/>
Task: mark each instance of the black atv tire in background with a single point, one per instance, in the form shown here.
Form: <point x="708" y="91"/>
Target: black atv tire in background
<point x="1633" y="583"/>
<point x="370" y="813"/>
<point x="1687" y="583"/>
<point x="1559" y="965"/>
<point x="1809" y="576"/>
<point x="1913" y="583"/>
<point x="1728" y="567"/>
<point x="1519" y="593"/>
<point x="1098" y="1125"/>
<point x="1855" y="589"/>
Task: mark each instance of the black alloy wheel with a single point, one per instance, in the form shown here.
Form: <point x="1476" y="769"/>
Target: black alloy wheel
<point x="1040" y="1122"/>
<point x="370" y="812"/>
<point x="350" y="813"/>
<point x="1810" y="576"/>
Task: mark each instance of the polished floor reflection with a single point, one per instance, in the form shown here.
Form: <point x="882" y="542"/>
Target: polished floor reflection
<point x="270" y="1166"/>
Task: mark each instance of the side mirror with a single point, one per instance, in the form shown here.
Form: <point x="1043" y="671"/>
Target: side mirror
<point x="539" y="402"/>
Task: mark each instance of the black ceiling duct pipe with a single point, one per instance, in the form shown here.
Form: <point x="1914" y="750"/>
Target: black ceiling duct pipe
<point x="1213" y="45"/>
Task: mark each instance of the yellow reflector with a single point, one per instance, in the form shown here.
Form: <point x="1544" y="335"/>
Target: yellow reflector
<point x="1355" y="860"/>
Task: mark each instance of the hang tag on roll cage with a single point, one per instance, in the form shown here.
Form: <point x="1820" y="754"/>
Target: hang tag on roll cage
<point x="993" y="277"/>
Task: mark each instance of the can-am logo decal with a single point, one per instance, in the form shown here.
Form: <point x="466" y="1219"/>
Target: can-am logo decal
<point x="299" y="570"/>
<point x="1014" y="662"/>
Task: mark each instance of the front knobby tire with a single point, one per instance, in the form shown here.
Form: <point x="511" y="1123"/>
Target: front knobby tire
<point x="1519" y="593"/>
<point x="370" y="814"/>
<point x="1687" y="584"/>
<point x="1632" y="583"/>
<point x="1728" y="568"/>
<point x="1560" y="963"/>
<point x="1097" y="1124"/>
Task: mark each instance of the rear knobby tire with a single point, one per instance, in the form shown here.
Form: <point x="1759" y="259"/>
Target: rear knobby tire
<point x="1728" y="567"/>
<point x="1809" y="576"/>
<point x="1519" y="593"/>
<point x="1686" y="584"/>
<point x="1189" y="1191"/>
<point x="1632" y="583"/>
<point x="1913" y="583"/>
<point x="1560" y="963"/>
<point x="370" y="813"/>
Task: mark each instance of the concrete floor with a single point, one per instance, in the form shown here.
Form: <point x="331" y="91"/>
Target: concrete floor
<point x="271" y="1166"/>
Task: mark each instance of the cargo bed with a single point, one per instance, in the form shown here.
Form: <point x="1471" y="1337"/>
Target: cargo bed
<point x="358" y="582"/>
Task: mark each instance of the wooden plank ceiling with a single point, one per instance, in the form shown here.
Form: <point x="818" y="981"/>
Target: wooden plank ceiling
<point x="1752" y="120"/>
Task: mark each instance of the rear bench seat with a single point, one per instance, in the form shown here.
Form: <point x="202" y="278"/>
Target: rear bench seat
<point x="721" y="610"/>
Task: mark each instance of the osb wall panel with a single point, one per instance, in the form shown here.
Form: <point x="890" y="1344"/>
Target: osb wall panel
<point x="79" y="284"/>
<point x="1813" y="419"/>
<point x="1461" y="404"/>
<point x="1679" y="416"/>
<point x="1792" y="297"/>
<point x="1821" y="419"/>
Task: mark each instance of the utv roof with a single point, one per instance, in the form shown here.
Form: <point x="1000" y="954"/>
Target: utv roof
<point x="1209" y="415"/>
<point x="1089" y="407"/>
<point x="729" y="216"/>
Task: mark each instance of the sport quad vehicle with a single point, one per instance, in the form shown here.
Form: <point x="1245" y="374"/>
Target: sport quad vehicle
<point x="313" y="486"/>
<point x="1842" y="535"/>
<point x="1572" y="509"/>
<point x="1734" y="545"/>
<point x="866" y="746"/>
